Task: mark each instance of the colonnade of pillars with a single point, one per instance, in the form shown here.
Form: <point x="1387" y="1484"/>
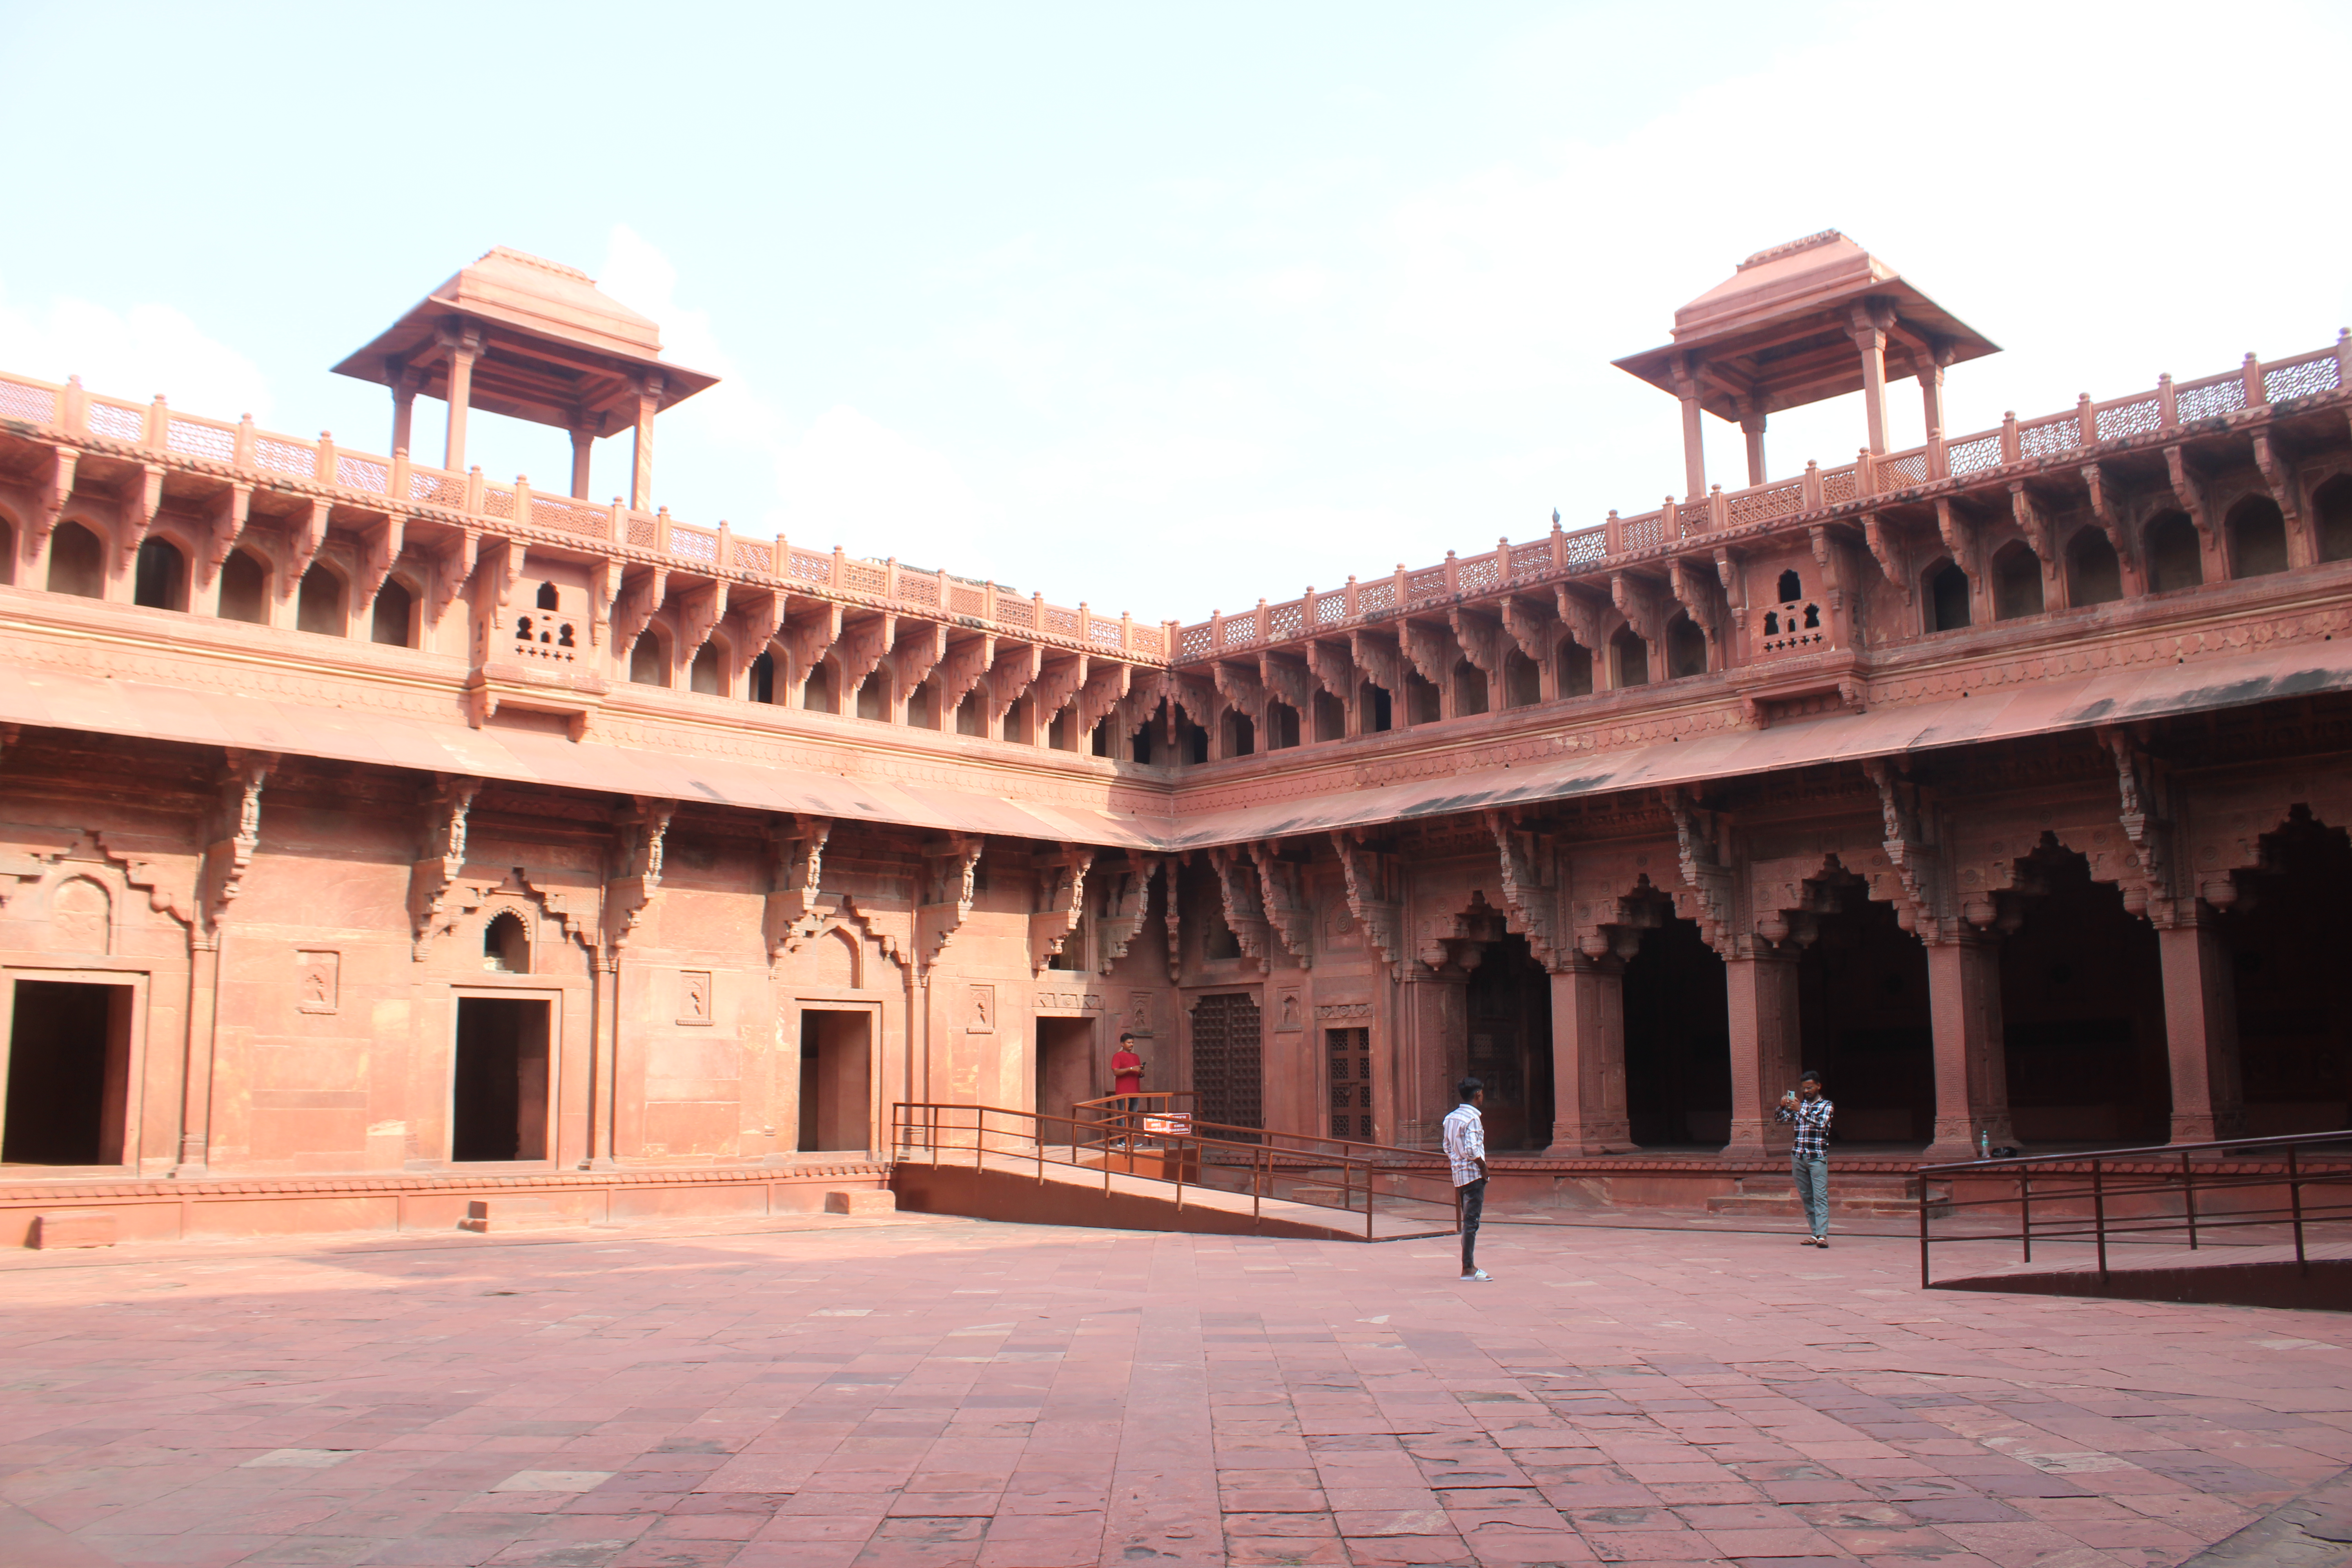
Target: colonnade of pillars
<point x="1972" y="1086"/>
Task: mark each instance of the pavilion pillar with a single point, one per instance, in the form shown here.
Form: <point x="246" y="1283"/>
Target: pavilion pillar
<point x="1694" y="438"/>
<point x="1751" y="425"/>
<point x="403" y="409"/>
<point x="1587" y="1060"/>
<point x="1970" y="1066"/>
<point x="196" y="1060"/>
<point x="583" y="438"/>
<point x="1762" y="993"/>
<point x="2201" y="1029"/>
<point x="464" y="349"/>
<point x="1869" y="324"/>
<point x="641" y="478"/>
<point x="1931" y="389"/>
<point x="1434" y="1053"/>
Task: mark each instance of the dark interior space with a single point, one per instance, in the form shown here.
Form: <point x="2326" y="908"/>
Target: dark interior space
<point x="68" y="1058"/>
<point x="1678" y="1040"/>
<point x="2288" y="934"/>
<point x="1863" y="1017"/>
<point x="1508" y="1003"/>
<point x="837" y="1046"/>
<point x="2083" y="1011"/>
<point x="499" y="1103"/>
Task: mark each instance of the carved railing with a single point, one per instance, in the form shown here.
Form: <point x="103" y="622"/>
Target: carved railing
<point x="2168" y="408"/>
<point x="73" y="416"/>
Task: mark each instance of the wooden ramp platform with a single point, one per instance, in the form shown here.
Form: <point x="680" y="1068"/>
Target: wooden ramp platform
<point x="1009" y="1186"/>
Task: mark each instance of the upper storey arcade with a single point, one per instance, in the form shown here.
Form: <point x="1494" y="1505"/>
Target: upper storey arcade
<point x="2216" y="501"/>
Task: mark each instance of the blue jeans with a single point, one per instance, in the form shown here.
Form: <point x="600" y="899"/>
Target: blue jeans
<point x="1813" y="1190"/>
<point x="1472" y="1197"/>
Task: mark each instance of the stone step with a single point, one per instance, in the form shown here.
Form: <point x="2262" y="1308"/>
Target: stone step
<point x="513" y="1212"/>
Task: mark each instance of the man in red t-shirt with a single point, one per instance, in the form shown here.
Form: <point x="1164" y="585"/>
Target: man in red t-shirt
<point x="1127" y="1077"/>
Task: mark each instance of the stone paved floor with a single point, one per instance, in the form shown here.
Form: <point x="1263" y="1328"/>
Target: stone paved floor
<point x="938" y="1391"/>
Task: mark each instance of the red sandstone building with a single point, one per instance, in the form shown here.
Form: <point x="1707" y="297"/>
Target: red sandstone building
<point x="369" y="828"/>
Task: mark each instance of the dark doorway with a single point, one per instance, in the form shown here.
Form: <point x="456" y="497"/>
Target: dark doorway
<point x="68" y="1070"/>
<point x="159" y="578"/>
<point x="1227" y="1073"/>
<point x="1678" y="1040"/>
<point x="1508" y="1000"/>
<point x="2081" y="1009"/>
<point x="1066" y="1073"/>
<point x="1947" y="602"/>
<point x="2287" y="934"/>
<point x="1862" y="1008"/>
<point x="836" y="1054"/>
<point x="498" y="1099"/>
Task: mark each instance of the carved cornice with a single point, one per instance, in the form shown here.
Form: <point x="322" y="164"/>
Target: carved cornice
<point x="637" y="846"/>
<point x="948" y="865"/>
<point x="446" y="801"/>
<point x="1061" y="902"/>
<point x="1375" y="883"/>
<point x="1283" y="895"/>
<point x="1245" y="907"/>
<point x="796" y="908"/>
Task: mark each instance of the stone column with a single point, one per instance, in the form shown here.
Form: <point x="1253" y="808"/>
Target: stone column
<point x="1763" y="998"/>
<point x="1433" y="1052"/>
<point x="197" y="1061"/>
<point x="1751" y="425"/>
<point x="1587" y="1060"/>
<point x="1694" y="436"/>
<point x="640" y="475"/>
<point x="2200" y="1030"/>
<point x="583" y="437"/>
<point x="1869" y="325"/>
<point x="463" y="349"/>
<point x="403" y="409"/>
<point x="1971" y="1071"/>
<point x="1931" y="393"/>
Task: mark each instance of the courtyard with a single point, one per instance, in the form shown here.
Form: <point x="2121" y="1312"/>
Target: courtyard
<point x="926" y="1391"/>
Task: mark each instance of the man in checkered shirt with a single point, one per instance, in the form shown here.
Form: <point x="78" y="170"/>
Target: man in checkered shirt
<point x="1466" y="1151"/>
<point x="1809" y="1110"/>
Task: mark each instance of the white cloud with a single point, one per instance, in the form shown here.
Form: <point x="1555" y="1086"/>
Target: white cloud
<point x="149" y="349"/>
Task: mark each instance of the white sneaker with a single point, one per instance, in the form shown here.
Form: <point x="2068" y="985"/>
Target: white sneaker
<point x="1477" y="1274"/>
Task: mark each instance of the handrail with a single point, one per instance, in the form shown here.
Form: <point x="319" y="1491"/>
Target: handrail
<point x="1304" y="1142"/>
<point x="936" y="1126"/>
<point x="2129" y="1191"/>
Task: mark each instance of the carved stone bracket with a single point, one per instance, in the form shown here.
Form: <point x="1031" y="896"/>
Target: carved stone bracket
<point x="1283" y="894"/>
<point x="55" y="492"/>
<point x="1375" y="881"/>
<point x="1529" y="624"/>
<point x="233" y="834"/>
<point x="166" y="874"/>
<point x="861" y="649"/>
<point x="1016" y="668"/>
<point x="2188" y="489"/>
<point x="1706" y="881"/>
<point x="639" y="831"/>
<point x="309" y="533"/>
<point x="381" y="548"/>
<point x="2103" y="495"/>
<point x="1430" y="649"/>
<point x="1286" y="680"/>
<point x="2278" y="478"/>
<point x="1378" y="657"/>
<point x="702" y="609"/>
<point x="1126" y="882"/>
<point x="446" y="801"/>
<point x="641" y="600"/>
<point x="1587" y="622"/>
<point x="1334" y="667"/>
<point x="758" y="618"/>
<point x="1240" y="688"/>
<point x="795" y="908"/>
<point x="805" y="639"/>
<point x="1886" y="548"/>
<point x="1106" y="685"/>
<point x="920" y="646"/>
<point x="1482" y="640"/>
<point x="224" y="526"/>
<point x="1056" y="684"/>
<point x="949" y="867"/>
<point x="452" y="570"/>
<point x="139" y="502"/>
<point x="1061" y="902"/>
<point x="2147" y="875"/>
<point x="1921" y="890"/>
<point x="1237" y="887"/>
<point x="961" y="670"/>
<point x="1530" y="861"/>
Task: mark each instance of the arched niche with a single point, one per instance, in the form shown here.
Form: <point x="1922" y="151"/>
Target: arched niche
<point x="2174" y="560"/>
<point x="2016" y="582"/>
<point x="158" y="577"/>
<point x="76" y="562"/>
<point x="243" y="588"/>
<point x="1630" y="656"/>
<point x="506" y="944"/>
<point x="1469" y="688"/>
<point x="81" y="916"/>
<point x="704" y="674"/>
<point x="1685" y="648"/>
<point x="2094" y="574"/>
<point x="2332" y="506"/>
<point x="2257" y="534"/>
<point x="1945" y="597"/>
<point x="322" y="606"/>
<point x="392" y="620"/>
<point x="648" y="659"/>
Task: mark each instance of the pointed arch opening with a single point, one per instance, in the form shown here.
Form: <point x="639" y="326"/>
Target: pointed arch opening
<point x="2332" y="506"/>
<point x="2174" y="558"/>
<point x="1685" y="648"/>
<point x="1630" y="656"/>
<point x="243" y="588"/>
<point x="703" y="674"/>
<point x="392" y="620"/>
<point x="320" y="605"/>
<point x="159" y="578"/>
<point x="648" y="661"/>
<point x="2095" y="573"/>
<point x="2257" y="530"/>
<point x="76" y="562"/>
<point x="2016" y="582"/>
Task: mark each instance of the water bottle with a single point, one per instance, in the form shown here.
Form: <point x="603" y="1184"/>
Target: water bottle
<point x="1984" y="1143"/>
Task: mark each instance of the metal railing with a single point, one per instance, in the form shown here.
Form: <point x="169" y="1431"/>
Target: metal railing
<point x="2193" y="1190"/>
<point x="1147" y="1136"/>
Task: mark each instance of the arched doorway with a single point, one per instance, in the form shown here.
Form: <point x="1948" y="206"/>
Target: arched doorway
<point x="2081" y="1009"/>
<point x="2288" y="933"/>
<point x="1507" y="1003"/>
<point x="1677" y="1040"/>
<point x="1863" y="1019"/>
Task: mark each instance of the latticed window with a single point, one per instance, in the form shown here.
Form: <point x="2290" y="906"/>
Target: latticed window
<point x="1350" y="1058"/>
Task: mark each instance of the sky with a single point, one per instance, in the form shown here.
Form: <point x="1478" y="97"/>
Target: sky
<point x="1165" y="309"/>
